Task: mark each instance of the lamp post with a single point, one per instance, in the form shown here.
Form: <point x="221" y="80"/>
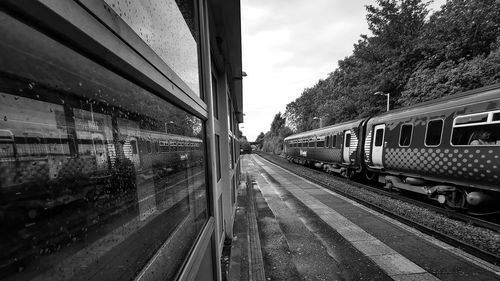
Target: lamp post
<point x="166" y="125"/>
<point x="384" y="94"/>
<point x="320" y="121"/>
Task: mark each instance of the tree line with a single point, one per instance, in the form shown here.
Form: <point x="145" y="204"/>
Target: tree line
<point x="411" y="54"/>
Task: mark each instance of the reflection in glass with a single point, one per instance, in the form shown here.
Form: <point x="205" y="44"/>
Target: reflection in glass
<point x="91" y="182"/>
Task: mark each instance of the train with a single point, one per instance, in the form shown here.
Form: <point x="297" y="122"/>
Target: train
<point x="71" y="164"/>
<point x="447" y="149"/>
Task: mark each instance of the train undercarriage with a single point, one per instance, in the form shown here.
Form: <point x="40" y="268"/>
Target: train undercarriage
<point x="449" y="196"/>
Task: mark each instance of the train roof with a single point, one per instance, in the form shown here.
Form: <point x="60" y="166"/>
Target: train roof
<point x="457" y="100"/>
<point x="325" y="130"/>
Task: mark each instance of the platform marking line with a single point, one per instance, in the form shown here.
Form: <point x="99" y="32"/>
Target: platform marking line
<point x="458" y="252"/>
<point x="394" y="264"/>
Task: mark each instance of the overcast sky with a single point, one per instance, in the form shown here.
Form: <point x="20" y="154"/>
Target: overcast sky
<point x="288" y="45"/>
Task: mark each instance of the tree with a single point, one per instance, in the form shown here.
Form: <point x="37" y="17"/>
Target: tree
<point x="260" y="140"/>
<point x="411" y="55"/>
<point x="274" y="139"/>
<point x="461" y="48"/>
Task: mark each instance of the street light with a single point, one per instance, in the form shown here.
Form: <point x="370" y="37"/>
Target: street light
<point x="166" y="125"/>
<point x="320" y="121"/>
<point x="384" y="94"/>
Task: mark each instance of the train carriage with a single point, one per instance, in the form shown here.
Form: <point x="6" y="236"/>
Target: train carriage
<point x="435" y="148"/>
<point x="447" y="149"/>
<point x="334" y="148"/>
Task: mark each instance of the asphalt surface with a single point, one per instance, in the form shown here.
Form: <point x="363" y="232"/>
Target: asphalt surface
<point x="295" y="243"/>
<point x="305" y="233"/>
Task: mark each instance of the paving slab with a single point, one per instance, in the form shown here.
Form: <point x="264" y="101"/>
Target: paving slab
<point x="404" y="254"/>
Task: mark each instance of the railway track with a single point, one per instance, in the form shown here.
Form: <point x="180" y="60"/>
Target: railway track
<point x="327" y="181"/>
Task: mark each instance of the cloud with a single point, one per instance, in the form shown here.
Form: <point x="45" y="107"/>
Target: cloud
<point x="288" y="45"/>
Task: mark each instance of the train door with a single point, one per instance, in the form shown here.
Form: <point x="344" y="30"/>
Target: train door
<point x="347" y="146"/>
<point x="99" y="151"/>
<point x="133" y="152"/>
<point x="378" y="145"/>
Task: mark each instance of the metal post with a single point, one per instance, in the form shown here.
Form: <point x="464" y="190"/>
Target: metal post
<point x="388" y="97"/>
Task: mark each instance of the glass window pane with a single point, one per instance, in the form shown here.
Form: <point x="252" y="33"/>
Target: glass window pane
<point x="170" y="28"/>
<point x="94" y="205"/>
<point x="405" y="136"/>
<point x="471" y="119"/>
<point x="477" y="135"/>
<point x="379" y="137"/>
<point x="334" y="142"/>
<point x="434" y="130"/>
<point x="347" y="140"/>
<point x="496" y="116"/>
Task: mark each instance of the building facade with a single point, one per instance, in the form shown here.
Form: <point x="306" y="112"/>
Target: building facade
<point x="119" y="157"/>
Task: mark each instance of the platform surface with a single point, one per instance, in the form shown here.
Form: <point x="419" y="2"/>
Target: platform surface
<point x="307" y="232"/>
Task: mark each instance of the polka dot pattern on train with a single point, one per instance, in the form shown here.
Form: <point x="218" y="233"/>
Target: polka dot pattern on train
<point x="471" y="163"/>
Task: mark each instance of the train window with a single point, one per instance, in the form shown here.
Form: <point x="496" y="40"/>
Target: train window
<point x="100" y="207"/>
<point x="320" y="143"/>
<point x="6" y="144"/>
<point x="311" y="143"/>
<point x="148" y="146"/>
<point x="347" y="140"/>
<point x="471" y="119"/>
<point x="36" y="144"/>
<point x="405" y="135"/>
<point x="496" y="116"/>
<point x="327" y="141"/>
<point x="379" y="137"/>
<point x="482" y="132"/>
<point x="434" y="132"/>
<point x="334" y="141"/>
<point x="133" y="146"/>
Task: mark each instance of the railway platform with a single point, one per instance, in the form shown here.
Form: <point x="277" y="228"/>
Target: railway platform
<point x="287" y="228"/>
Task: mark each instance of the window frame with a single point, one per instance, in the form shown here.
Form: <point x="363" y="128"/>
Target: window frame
<point x="311" y="141"/>
<point x="347" y="141"/>
<point x="489" y="121"/>
<point x="138" y="60"/>
<point x="318" y="142"/>
<point x="401" y="131"/>
<point x="375" y="137"/>
<point x="137" y="63"/>
<point x="427" y="130"/>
